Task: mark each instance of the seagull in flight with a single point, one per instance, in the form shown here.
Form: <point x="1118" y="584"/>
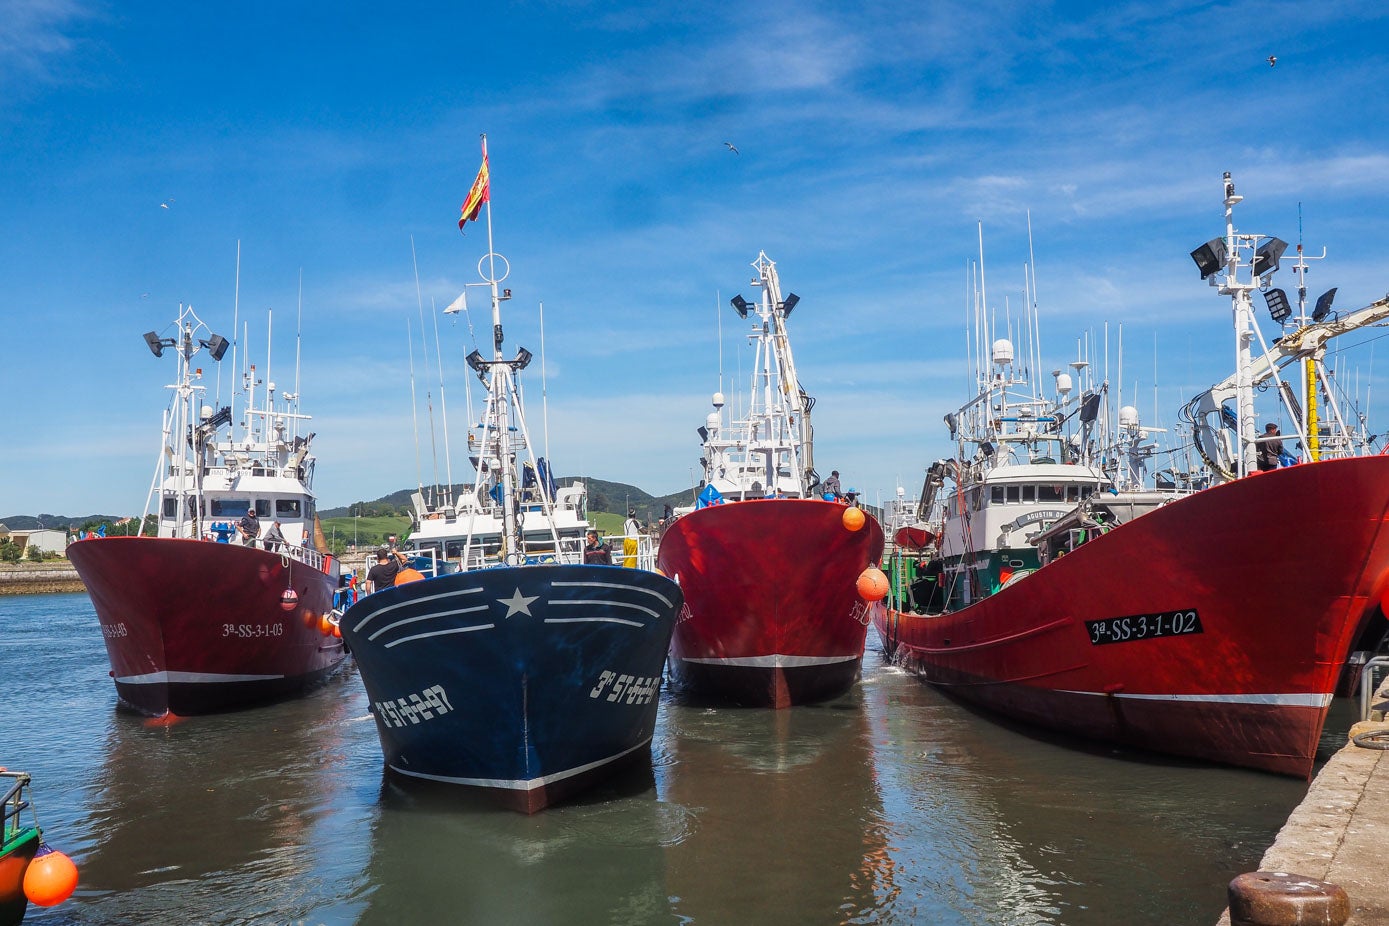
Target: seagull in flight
<point x="1272" y="60"/>
<point x="729" y="146"/>
<point x="165" y="203"/>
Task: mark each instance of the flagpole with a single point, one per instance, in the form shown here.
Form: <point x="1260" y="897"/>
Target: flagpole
<point x="492" y="263"/>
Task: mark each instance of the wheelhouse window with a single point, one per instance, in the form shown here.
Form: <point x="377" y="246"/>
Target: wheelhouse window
<point x="1014" y="495"/>
<point x="1048" y="493"/>
<point x="996" y="495"/>
<point x="1029" y="494"/>
<point x="287" y="508"/>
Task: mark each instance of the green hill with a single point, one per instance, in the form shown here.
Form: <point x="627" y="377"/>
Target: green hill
<point x="603" y="497"/>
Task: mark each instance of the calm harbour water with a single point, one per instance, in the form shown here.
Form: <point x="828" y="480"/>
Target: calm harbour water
<point x="889" y="805"/>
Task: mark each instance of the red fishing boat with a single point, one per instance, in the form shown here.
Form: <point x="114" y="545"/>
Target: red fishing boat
<point x="194" y="620"/>
<point x="1207" y="617"/>
<point x="770" y="570"/>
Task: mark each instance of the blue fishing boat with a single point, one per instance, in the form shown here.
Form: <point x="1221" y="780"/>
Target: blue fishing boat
<point x="501" y="660"/>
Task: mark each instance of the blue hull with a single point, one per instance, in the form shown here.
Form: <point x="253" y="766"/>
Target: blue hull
<point x="530" y="682"/>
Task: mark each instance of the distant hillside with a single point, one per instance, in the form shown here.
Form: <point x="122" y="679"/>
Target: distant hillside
<point x="26" y="522"/>
<point x="615" y="497"/>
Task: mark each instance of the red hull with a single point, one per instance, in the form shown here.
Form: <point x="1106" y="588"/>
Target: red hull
<point x="193" y="626"/>
<point x="1282" y="570"/>
<point x="773" y="614"/>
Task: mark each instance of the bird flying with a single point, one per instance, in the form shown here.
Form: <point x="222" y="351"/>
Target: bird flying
<point x="729" y="146"/>
<point x="1272" y="60"/>
<point x="165" y="203"/>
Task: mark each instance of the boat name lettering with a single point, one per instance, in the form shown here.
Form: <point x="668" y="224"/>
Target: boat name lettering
<point x="1144" y="627"/>
<point x="1034" y="517"/>
<point x="114" y="631"/>
<point x="251" y="631"/>
<point x="413" y="709"/>
<point x="630" y="689"/>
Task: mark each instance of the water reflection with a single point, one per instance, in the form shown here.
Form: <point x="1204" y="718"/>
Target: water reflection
<point x="889" y="805"/>
<point x="214" y="818"/>
<point x="787" y="820"/>
<point x="439" y="858"/>
<point x="1042" y="830"/>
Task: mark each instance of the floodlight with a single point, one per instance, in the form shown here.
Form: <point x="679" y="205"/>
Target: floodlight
<point x="1323" y="304"/>
<point x="1278" y="308"/>
<point x="475" y="361"/>
<point x="740" y="305"/>
<point x="789" y="304"/>
<point x="216" y="346"/>
<point x="1210" y="257"/>
<point x="1266" y="258"/>
<point x="523" y="359"/>
<point x="157" y="344"/>
<point x="952" y="424"/>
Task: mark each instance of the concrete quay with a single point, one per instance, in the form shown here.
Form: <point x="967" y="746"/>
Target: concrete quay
<point x="39" y="579"/>
<point x="1340" y="832"/>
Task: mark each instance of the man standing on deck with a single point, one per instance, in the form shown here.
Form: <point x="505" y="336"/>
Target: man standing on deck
<point x="831" y="485"/>
<point x="1270" y="448"/>
<point x="382" y="575"/>
<point x="249" y="526"/>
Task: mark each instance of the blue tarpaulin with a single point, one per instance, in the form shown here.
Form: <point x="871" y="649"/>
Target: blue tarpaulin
<point x="709" y="496"/>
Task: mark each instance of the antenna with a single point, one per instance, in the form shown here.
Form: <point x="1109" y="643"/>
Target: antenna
<point x="236" y="322"/>
<point x="544" y="388"/>
<point x="414" y="411"/>
<point x="298" y="350"/>
<point x="443" y="405"/>
<point x="424" y="352"/>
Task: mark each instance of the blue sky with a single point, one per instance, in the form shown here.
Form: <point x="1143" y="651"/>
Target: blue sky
<point x="872" y="139"/>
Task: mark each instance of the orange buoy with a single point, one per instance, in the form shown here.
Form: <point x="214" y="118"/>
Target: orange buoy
<point x="853" y="518"/>
<point x="289" y="600"/>
<point x="50" y="878"/>
<point x="872" y="583"/>
<point x="325" y="624"/>
<point x="407" y="575"/>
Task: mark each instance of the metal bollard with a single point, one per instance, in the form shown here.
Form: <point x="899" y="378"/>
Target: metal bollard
<point x="1277" y="898"/>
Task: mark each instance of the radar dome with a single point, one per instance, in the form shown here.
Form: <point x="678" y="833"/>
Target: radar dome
<point x="1063" y="383"/>
<point x="1128" y="417"/>
<point x="718" y="400"/>
<point x="1003" y="352"/>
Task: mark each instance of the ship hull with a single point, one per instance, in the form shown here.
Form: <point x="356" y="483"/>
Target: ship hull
<point x="1214" y="627"/>
<point x="195" y="627"/>
<point x="774" y="617"/>
<point x="525" y="684"/>
<point x="18" y="851"/>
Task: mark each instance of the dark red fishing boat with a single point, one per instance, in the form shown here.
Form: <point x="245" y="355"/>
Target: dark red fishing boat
<point x="1209" y="620"/>
<point x="770" y="570"/>
<point x="195" y="621"/>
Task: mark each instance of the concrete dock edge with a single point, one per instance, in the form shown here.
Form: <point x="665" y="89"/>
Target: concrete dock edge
<point x="1339" y="831"/>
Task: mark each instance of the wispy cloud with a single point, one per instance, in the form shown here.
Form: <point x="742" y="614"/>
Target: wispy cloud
<point x="35" y="38"/>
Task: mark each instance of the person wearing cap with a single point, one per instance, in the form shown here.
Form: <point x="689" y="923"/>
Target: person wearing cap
<point x="249" y="526"/>
<point x="383" y="574"/>
<point x="851" y="498"/>
<point x="631" y="530"/>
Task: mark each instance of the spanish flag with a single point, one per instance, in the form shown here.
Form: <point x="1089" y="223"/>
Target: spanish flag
<point x="478" y="195"/>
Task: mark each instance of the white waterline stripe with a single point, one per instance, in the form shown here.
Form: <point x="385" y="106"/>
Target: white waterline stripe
<point x="518" y="784"/>
<point x="1278" y="700"/>
<point x="768" y="662"/>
